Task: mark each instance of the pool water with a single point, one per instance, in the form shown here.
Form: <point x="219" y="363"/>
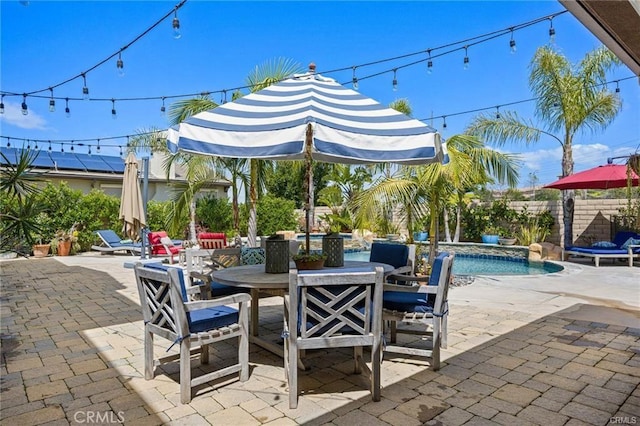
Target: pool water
<point x="485" y="265"/>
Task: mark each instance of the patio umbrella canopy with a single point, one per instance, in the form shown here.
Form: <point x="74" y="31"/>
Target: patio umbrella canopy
<point x="308" y="117"/>
<point x="601" y="177"/>
<point x="131" y="206"/>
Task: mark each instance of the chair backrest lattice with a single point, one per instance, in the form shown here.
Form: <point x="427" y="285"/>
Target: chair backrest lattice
<point x="336" y="304"/>
<point x="155" y="290"/>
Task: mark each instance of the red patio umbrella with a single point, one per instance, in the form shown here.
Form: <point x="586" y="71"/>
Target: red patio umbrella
<point x="601" y="177"/>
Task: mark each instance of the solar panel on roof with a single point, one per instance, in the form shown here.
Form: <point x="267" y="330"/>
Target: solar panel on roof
<point x="66" y="161"/>
<point x="116" y="163"/>
<point x="41" y="160"/>
<point x="93" y="163"/>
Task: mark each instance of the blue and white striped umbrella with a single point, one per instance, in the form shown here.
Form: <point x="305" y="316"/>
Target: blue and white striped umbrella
<point x="272" y="123"/>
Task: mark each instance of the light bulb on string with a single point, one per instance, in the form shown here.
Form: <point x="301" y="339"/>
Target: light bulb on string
<point x="71" y="149"/>
<point x="28" y="144"/>
<point x="36" y="145"/>
<point x="8" y="142"/>
<point x="429" y="63"/>
<point x="85" y="89"/>
<point x="25" y="109"/>
<point x="120" y="150"/>
<point x="2" y="105"/>
<point x="617" y="86"/>
<point x="52" y="102"/>
<point x="98" y="147"/>
<point x="175" y="24"/>
<point x="497" y="113"/>
<point x="89" y="149"/>
<point x="354" y="80"/>
<point x="113" y="109"/>
<point x="49" y="146"/>
<point x="444" y="121"/>
<point x="552" y="32"/>
<point x="395" y="80"/>
<point x="466" y="59"/>
<point x="162" y="108"/>
<point x="67" y="111"/>
<point x="120" y="65"/>
<point x="512" y="44"/>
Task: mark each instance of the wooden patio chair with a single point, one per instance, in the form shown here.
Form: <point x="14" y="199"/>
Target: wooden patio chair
<point x="424" y="303"/>
<point x="327" y="309"/>
<point x="168" y="313"/>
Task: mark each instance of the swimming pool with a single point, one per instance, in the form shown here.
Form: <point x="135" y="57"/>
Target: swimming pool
<point x="468" y="264"/>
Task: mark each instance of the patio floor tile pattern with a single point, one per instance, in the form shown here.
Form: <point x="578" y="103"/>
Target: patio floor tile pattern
<point x="72" y="348"/>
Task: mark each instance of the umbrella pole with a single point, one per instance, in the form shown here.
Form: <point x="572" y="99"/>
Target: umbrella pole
<point x="145" y="196"/>
<point x="308" y="183"/>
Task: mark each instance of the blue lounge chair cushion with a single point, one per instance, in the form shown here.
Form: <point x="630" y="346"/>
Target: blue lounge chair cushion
<point x="113" y="240"/>
<point x="395" y="255"/>
<point x="403" y="301"/>
<point x="604" y="244"/>
<point x="630" y="242"/>
<point x="202" y="319"/>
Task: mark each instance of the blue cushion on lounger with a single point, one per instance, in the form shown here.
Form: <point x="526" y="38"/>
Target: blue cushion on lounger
<point x="604" y="244"/>
<point x="630" y="242"/>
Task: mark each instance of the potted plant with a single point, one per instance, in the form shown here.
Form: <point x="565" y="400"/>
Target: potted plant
<point x="39" y="249"/>
<point x="309" y="261"/>
<point x="491" y="235"/>
<point x="64" y="240"/>
<point x="507" y="237"/>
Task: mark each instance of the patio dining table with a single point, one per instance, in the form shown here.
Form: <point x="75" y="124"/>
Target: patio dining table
<point x="258" y="281"/>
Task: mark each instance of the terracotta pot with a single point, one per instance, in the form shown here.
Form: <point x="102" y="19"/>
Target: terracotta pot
<point x="41" y="250"/>
<point x="64" y="247"/>
<point x="303" y="265"/>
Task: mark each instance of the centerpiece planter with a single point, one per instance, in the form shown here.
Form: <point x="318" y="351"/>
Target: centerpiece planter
<point x="506" y="241"/>
<point x="309" y="261"/>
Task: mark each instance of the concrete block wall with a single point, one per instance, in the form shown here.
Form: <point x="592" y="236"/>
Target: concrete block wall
<point x="591" y="218"/>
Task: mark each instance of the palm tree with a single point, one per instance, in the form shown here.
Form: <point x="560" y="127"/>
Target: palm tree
<point x="470" y="163"/>
<point x="570" y="99"/>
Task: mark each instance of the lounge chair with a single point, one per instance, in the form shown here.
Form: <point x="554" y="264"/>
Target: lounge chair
<point x="625" y="244"/>
<point x="111" y="243"/>
<point x="162" y="245"/>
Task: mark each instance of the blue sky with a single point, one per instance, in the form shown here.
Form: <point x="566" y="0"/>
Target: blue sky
<point x="47" y="42"/>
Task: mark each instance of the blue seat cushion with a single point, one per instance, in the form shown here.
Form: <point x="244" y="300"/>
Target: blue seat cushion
<point x="211" y="318"/>
<point x="408" y="301"/>
<point x="163" y="267"/>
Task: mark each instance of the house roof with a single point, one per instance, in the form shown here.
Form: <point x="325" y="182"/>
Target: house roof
<point x="67" y="161"/>
<point x="615" y="23"/>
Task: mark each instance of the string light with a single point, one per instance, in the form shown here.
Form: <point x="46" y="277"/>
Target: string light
<point x="497" y="113"/>
<point x="71" y="146"/>
<point x="25" y="110"/>
<point x="176" y="25"/>
<point x="8" y="142"/>
<point x="512" y="43"/>
<point x="617" y="87"/>
<point x="36" y="146"/>
<point x="395" y="80"/>
<point x="85" y="89"/>
<point x="28" y="144"/>
<point x="162" y="108"/>
<point x="429" y="63"/>
<point x="444" y="121"/>
<point x="466" y="59"/>
<point x="49" y="146"/>
<point x="89" y="150"/>
<point x="113" y="109"/>
<point x="98" y="147"/>
<point x="552" y="32"/>
<point x="52" y="102"/>
<point x="120" y="65"/>
<point x="2" y="105"/>
<point x="224" y="96"/>
<point x="62" y="148"/>
<point x="67" y="111"/>
<point x="354" y="80"/>
<point x="120" y="151"/>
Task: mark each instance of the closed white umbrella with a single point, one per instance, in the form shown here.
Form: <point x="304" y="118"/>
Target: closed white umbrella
<point x="131" y="205"/>
<point x="308" y="117"/>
